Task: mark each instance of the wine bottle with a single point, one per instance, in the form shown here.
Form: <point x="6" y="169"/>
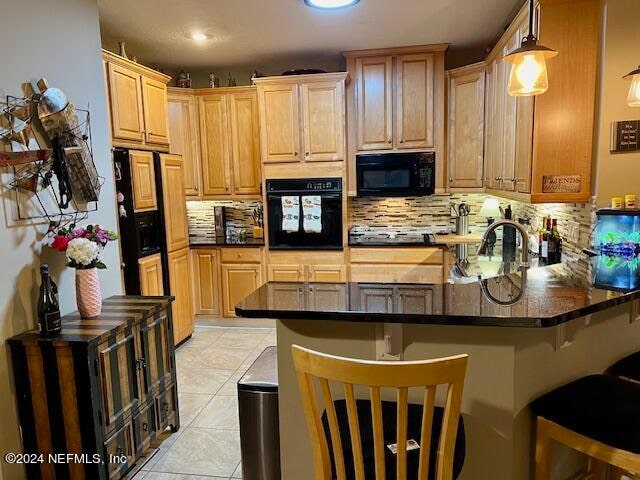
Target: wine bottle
<point x="551" y="254"/>
<point x="545" y="243"/>
<point x="557" y="240"/>
<point x="48" y="307"/>
<point x="541" y="235"/>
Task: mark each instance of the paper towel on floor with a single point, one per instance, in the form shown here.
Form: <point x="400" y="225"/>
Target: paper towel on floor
<point x="290" y="214"/>
<point x="312" y="213"/>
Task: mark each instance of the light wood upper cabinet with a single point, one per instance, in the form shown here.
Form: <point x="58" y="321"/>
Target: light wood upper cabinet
<point x="125" y="100"/>
<point x="374" y="100"/>
<point x="414" y="87"/>
<point x="466" y="126"/>
<point x="137" y="104"/>
<point x="143" y="179"/>
<point x="302" y="118"/>
<point x="245" y="142"/>
<point x="238" y="280"/>
<point x="280" y="120"/>
<point x="184" y="135"/>
<point x="150" y="269"/>
<point x="175" y="207"/>
<point x="180" y="285"/>
<point x="323" y="121"/>
<point x="206" y="285"/>
<point x="154" y="100"/>
<point x="216" y="157"/>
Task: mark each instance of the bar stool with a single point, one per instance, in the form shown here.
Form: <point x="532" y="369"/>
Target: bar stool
<point x="628" y="368"/>
<point x="350" y="439"/>
<point x="598" y="415"/>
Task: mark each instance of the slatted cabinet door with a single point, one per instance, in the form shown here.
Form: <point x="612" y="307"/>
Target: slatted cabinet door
<point x="121" y="445"/>
<point x="118" y="363"/>
<point x="156" y="356"/>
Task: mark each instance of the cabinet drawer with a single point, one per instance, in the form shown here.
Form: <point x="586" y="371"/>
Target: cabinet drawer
<point x="120" y="452"/>
<point x="144" y="428"/>
<point x="166" y="409"/>
<point x="240" y="255"/>
<point x="429" y="256"/>
<point x="397" y="273"/>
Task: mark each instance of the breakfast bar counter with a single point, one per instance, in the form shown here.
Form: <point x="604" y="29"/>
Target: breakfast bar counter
<point x="526" y="333"/>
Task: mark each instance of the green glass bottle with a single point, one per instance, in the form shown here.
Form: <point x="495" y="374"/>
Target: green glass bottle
<point x="48" y="307"/>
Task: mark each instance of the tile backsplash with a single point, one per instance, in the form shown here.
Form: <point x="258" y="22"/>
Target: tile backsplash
<point x="201" y="217"/>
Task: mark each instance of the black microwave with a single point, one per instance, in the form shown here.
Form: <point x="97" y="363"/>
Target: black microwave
<point x="396" y="174"/>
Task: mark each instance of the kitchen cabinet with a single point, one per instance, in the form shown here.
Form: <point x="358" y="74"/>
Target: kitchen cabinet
<point x="184" y="134"/>
<point x="238" y="281"/>
<point x="376" y="299"/>
<point x="397" y="265"/>
<point x="230" y="143"/>
<point x="539" y="149"/>
<point x="143" y="178"/>
<point x="175" y="207"/>
<point x="396" y="104"/>
<point x="301" y="266"/>
<point x="466" y="98"/>
<point x="326" y="273"/>
<point x="302" y="119"/>
<point x="138" y="109"/>
<point x="328" y="297"/>
<point x="285" y="273"/>
<point x="206" y="284"/>
<point x="151" y="275"/>
<point x="180" y="288"/>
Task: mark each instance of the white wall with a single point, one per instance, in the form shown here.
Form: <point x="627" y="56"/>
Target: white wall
<point x="59" y="41"/>
<point x="617" y="174"/>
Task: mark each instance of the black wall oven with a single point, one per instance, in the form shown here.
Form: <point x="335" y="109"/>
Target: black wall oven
<point x="396" y="174"/>
<point x="323" y="232"/>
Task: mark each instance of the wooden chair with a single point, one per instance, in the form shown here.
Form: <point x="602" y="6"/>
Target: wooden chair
<point x="426" y="374"/>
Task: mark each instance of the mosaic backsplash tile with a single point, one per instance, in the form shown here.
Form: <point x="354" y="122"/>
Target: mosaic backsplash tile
<point x="201" y="217"/>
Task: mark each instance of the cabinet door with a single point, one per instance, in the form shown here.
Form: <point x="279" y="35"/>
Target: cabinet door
<point x="120" y="446"/>
<point x="510" y="119"/>
<point x="374" y="103"/>
<point x="175" y="206"/>
<point x="280" y="123"/>
<point x="490" y="107"/>
<point x="154" y="99"/>
<point x="245" y="142"/>
<point x="286" y="296"/>
<point x="466" y="130"/>
<point x="416" y="301"/>
<point x="414" y="101"/>
<point x="125" y="99"/>
<point x="150" y="269"/>
<point x="524" y="135"/>
<point x="323" y="121"/>
<point x="206" y="286"/>
<point x="157" y="361"/>
<point x="183" y="131"/>
<point x="376" y="299"/>
<point x="180" y="284"/>
<point x="238" y="281"/>
<point x="214" y="139"/>
<point x="118" y="373"/>
<point x="143" y="177"/>
<point x="499" y="94"/>
<point x="326" y="273"/>
<point x="328" y="297"/>
<point x="285" y="273"/>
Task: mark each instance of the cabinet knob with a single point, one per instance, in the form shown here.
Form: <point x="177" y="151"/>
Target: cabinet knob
<point x="450" y="180"/>
<point x="388" y="140"/>
<point x="295" y="154"/>
<point x="196" y="188"/>
<point x="307" y="154"/>
<point x="145" y="426"/>
<point x="497" y="179"/>
<point x="401" y="140"/>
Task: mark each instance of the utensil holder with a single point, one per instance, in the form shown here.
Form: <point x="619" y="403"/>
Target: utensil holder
<point x="462" y="225"/>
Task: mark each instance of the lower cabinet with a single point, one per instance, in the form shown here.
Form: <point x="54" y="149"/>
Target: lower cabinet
<point x="238" y="281"/>
<point x="206" y="281"/>
<point x="104" y="386"/>
<point x="180" y="286"/>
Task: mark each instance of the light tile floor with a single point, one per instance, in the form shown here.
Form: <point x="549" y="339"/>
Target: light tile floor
<point x="207" y="446"/>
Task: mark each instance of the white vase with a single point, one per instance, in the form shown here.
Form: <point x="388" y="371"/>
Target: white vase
<point x="88" y="294"/>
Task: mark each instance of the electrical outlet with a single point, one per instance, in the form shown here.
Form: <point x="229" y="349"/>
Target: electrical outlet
<point x="573" y="231"/>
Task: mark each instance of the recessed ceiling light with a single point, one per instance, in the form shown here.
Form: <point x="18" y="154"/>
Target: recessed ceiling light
<point x="330" y="4"/>
<point x="198" y="36"/>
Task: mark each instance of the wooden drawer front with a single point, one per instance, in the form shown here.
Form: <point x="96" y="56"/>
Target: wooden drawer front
<point x="285" y="273"/>
<point x="166" y="409"/>
<point x="144" y="428"/>
<point x="397" y="273"/>
<point x="120" y="451"/>
<point x="157" y="361"/>
<point x="429" y="256"/>
<point x="118" y="365"/>
<point x="308" y="257"/>
<point x="240" y="255"/>
<point x="326" y="273"/>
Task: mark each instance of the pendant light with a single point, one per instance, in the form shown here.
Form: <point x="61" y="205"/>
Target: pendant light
<point x="633" y="99"/>
<point x="529" y="71"/>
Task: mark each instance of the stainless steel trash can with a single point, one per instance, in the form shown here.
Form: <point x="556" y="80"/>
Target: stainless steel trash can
<point x="259" y="427"/>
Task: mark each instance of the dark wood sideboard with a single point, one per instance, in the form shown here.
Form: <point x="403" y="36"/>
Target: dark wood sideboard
<point x="104" y="387"/>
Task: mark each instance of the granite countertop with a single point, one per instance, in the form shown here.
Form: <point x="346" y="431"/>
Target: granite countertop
<point x="225" y="242"/>
<point x="551" y="296"/>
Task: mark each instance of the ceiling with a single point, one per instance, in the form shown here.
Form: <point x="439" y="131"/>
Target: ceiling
<point x="247" y="33"/>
